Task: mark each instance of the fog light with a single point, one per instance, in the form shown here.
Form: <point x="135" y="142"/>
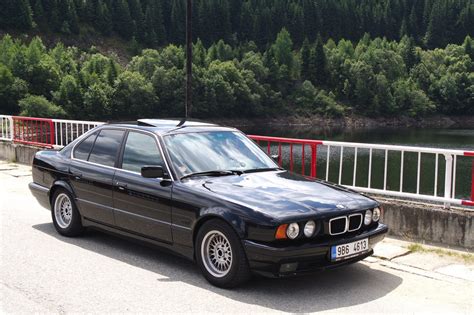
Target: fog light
<point x="293" y="230"/>
<point x="309" y="228"/>
<point x="368" y="217"/>
<point x="288" y="267"/>
<point x="376" y="214"/>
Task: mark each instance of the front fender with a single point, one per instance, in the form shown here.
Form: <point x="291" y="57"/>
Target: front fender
<point x="224" y="214"/>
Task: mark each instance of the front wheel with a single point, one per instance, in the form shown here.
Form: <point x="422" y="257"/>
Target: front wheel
<point x="220" y="255"/>
<point x="66" y="218"/>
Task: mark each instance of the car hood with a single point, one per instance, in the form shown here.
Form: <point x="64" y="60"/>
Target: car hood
<point x="283" y="195"/>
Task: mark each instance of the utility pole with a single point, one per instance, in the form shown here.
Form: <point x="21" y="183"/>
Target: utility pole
<point x="189" y="58"/>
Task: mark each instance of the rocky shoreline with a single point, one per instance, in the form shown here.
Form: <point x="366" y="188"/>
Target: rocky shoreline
<point x="356" y="122"/>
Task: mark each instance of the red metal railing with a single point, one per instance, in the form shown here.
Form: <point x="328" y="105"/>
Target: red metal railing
<point x="313" y="144"/>
<point x="34" y="131"/>
<point x="50" y="133"/>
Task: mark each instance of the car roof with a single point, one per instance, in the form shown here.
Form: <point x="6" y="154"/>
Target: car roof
<point x="172" y="126"/>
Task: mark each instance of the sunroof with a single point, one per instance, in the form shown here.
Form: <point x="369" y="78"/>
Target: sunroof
<point x="171" y="123"/>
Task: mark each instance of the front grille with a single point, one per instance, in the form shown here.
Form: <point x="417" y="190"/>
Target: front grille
<point x="338" y="225"/>
<point x="355" y="221"/>
<point x="343" y="224"/>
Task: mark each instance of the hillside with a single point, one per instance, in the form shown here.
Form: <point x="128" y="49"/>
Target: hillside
<point x="50" y="67"/>
<point x="154" y="23"/>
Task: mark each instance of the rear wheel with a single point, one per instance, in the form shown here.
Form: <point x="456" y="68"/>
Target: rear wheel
<point x="66" y="218"/>
<point x="220" y="255"/>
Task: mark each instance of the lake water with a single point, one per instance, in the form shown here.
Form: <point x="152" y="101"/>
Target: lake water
<point x="462" y="139"/>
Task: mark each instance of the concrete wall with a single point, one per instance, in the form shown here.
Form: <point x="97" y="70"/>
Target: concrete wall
<point x="17" y="152"/>
<point x="430" y="223"/>
<point x="408" y="220"/>
<point x="7" y="151"/>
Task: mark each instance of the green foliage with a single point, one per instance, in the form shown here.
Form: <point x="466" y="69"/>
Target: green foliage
<point x="133" y="97"/>
<point x="12" y="89"/>
<point x="155" y="23"/>
<point x="372" y="77"/>
<point x="39" y="106"/>
<point x="282" y="51"/>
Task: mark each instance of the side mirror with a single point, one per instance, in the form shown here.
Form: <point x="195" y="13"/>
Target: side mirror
<point x="153" y="172"/>
<point x="275" y="156"/>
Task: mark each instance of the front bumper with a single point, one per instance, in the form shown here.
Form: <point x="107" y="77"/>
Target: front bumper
<point x="268" y="260"/>
<point x="41" y="194"/>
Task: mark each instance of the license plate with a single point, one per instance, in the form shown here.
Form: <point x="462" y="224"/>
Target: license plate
<point x="345" y="251"/>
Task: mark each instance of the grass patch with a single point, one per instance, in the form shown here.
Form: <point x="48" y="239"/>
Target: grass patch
<point x="468" y="258"/>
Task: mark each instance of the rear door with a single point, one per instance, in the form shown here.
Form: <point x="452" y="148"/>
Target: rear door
<point x="92" y="170"/>
<point x="142" y="205"/>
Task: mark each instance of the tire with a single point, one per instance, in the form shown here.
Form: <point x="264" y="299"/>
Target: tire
<point x="220" y="255"/>
<point x="66" y="217"/>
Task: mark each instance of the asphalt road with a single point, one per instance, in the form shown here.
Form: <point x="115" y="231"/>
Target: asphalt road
<point x="41" y="271"/>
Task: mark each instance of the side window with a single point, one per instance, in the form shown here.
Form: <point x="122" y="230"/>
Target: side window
<point x="140" y="150"/>
<point x="83" y="149"/>
<point x="106" y="147"/>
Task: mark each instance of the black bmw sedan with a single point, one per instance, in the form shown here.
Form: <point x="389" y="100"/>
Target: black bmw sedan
<point x="207" y="193"/>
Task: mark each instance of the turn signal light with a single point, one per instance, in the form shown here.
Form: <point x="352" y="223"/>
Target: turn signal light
<point x="281" y="232"/>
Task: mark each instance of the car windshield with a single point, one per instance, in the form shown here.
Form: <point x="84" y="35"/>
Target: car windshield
<point x="202" y="152"/>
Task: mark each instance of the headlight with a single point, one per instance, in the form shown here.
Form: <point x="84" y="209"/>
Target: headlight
<point x="368" y="217"/>
<point x="376" y="214"/>
<point x="309" y="228"/>
<point x="293" y="230"/>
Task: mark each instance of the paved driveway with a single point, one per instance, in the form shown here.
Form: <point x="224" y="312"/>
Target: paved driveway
<point x="43" y="272"/>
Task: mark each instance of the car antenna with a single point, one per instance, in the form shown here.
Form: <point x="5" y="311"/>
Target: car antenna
<point x="182" y="122"/>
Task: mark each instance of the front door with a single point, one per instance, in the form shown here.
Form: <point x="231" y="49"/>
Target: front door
<point x="142" y="205"/>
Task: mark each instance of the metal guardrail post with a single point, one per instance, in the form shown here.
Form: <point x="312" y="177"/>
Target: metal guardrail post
<point x="448" y="178"/>
<point x="6" y="128"/>
<point x="314" y="153"/>
<point x="10" y="120"/>
<point x="472" y="183"/>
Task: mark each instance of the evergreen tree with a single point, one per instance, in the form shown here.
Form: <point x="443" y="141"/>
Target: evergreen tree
<point x="91" y="12"/>
<point x="159" y="23"/>
<point x="246" y="22"/>
<point x="151" y="39"/>
<point x="40" y="16"/>
<point x="436" y="27"/>
<point x="427" y="14"/>
<point x="16" y="14"/>
<point x="403" y="29"/>
<point x="408" y="52"/>
<point x="305" y="60"/>
<point x="123" y="23"/>
<point x="136" y="13"/>
<point x="56" y="21"/>
<point x="72" y="17"/>
<point x="103" y="21"/>
<point x="469" y="47"/>
<point x="112" y="71"/>
<point x="177" y="27"/>
<point x="318" y="63"/>
<point x="412" y="26"/>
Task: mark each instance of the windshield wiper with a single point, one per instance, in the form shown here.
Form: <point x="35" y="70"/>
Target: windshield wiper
<point x="210" y="173"/>
<point x="264" y="169"/>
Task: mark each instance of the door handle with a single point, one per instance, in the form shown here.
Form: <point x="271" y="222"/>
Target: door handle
<point x="120" y="185"/>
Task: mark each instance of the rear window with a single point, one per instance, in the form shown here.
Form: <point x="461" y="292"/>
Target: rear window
<point x="106" y="147"/>
<point x="83" y="149"/>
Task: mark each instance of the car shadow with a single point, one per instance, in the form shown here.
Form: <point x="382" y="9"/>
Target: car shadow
<point x="348" y="286"/>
